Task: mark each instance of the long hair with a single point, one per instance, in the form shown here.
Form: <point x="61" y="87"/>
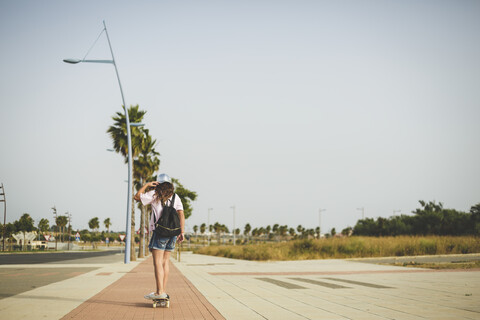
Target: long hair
<point x="163" y="191"/>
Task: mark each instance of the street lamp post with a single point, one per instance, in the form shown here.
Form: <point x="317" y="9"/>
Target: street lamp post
<point x="69" y="216"/>
<point x="4" y="200"/>
<point x="363" y="212"/>
<point x="209" y="209"/>
<point x="233" y="207"/>
<point x="320" y="221"/>
<point x="129" y="142"/>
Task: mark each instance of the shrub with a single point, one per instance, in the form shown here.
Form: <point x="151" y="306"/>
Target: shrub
<point x="351" y="247"/>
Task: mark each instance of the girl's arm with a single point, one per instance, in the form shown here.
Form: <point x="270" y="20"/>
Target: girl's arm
<point x="181" y="237"/>
<point x="145" y="186"/>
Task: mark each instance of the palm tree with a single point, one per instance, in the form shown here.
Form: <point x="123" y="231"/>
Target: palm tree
<point x="107" y="224"/>
<point x="61" y="222"/>
<point x="118" y="133"/>
<point x="203" y="228"/>
<point x="217" y="227"/>
<point x="144" y="167"/>
<point x="300" y="230"/>
<point x="247" y="229"/>
<point x="195" y="229"/>
<point x="291" y="231"/>
<point x="43" y="225"/>
<point x="94" y="224"/>
<point x="283" y="231"/>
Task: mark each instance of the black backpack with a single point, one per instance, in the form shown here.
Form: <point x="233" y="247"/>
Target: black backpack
<point x="168" y="225"/>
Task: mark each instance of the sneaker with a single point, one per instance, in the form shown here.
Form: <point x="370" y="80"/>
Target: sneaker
<point x="163" y="296"/>
<point x="151" y="296"/>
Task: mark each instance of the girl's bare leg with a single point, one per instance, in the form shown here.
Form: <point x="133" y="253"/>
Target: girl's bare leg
<point x="158" y="258"/>
<point x="166" y="269"/>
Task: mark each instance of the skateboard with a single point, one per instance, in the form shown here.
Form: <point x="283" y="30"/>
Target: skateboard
<point x="162" y="303"/>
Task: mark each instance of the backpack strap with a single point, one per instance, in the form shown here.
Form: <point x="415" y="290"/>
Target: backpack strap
<point x="172" y="202"/>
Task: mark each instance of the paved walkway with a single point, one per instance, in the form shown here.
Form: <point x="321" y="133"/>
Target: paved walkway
<point x="205" y="287"/>
<point x="332" y="289"/>
<point x="124" y="299"/>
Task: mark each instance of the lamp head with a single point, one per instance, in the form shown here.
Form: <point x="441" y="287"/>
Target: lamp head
<point x="72" y="61"/>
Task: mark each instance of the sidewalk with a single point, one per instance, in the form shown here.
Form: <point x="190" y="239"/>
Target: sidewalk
<point x="332" y="289"/>
<point x="124" y="299"/>
<point x="206" y="287"/>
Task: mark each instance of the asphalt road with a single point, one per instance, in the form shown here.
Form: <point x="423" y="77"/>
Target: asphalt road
<point x="53" y="257"/>
<point x="17" y="280"/>
<point x="52" y="267"/>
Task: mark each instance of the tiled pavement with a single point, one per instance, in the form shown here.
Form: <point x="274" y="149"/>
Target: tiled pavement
<point x="124" y="299"/>
<point x="332" y="289"/>
<point x="205" y="287"/>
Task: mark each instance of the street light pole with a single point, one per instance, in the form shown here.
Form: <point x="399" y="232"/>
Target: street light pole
<point x="320" y="221"/>
<point x="129" y="143"/>
<point x="209" y="209"/>
<point x="4" y="200"/>
<point x="69" y="216"/>
<point x="363" y="212"/>
<point x="233" y="207"/>
<point x="55" y="220"/>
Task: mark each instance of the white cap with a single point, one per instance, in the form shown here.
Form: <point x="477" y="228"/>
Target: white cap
<point x="163" y="177"/>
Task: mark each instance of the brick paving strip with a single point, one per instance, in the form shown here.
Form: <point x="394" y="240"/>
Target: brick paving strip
<point x="124" y="299"/>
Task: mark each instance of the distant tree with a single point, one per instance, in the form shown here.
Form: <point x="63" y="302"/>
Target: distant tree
<point x="247" y="229"/>
<point x="203" y="228"/>
<point x="292" y="232"/>
<point x="217" y="227"/>
<point x="475" y="212"/>
<point x="261" y="232"/>
<point x="94" y="224"/>
<point x="310" y="233"/>
<point x="107" y="223"/>
<point x="195" y="229"/>
<point x="61" y="222"/>
<point x="347" y="231"/>
<point x="43" y="225"/>
<point x="282" y="231"/>
<point x="24" y="225"/>
<point x="267" y="230"/>
<point x="300" y="230"/>
<point x="333" y="232"/>
<point x="430" y="219"/>
<point x="9" y="231"/>
<point x="275" y="230"/>
<point x="254" y="235"/>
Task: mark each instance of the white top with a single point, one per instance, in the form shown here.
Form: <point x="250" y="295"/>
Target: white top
<point x="147" y="198"/>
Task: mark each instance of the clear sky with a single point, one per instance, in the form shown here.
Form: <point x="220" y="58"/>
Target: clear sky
<point x="277" y="107"/>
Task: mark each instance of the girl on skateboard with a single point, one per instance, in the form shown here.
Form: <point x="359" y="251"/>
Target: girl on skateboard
<point x="160" y="194"/>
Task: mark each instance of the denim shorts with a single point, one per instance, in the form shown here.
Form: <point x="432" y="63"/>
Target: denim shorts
<point x="159" y="243"/>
